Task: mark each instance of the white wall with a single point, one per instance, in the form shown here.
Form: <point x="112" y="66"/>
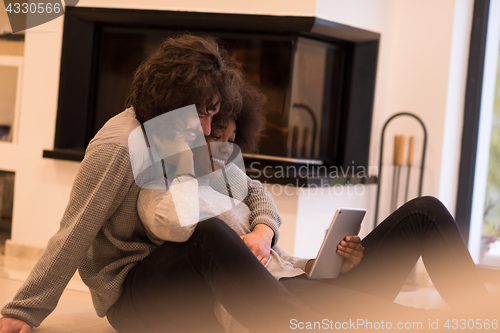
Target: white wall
<point x="452" y="134"/>
<point x="413" y="74"/>
<point x="9" y="76"/>
<point x="422" y="57"/>
<point x="42" y="185"/>
<point x="4" y="19"/>
<point x="280" y="7"/>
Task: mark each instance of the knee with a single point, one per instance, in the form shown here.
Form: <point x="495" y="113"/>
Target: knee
<point x="214" y="230"/>
<point x="426" y="203"/>
<point x="430" y="206"/>
<point x="217" y="238"/>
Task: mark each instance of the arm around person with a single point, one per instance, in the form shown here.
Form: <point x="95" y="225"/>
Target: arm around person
<point x="170" y="215"/>
<point x="264" y="217"/>
<point x="262" y="207"/>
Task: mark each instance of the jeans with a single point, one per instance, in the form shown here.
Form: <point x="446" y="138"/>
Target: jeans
<point x="175" y="287"/>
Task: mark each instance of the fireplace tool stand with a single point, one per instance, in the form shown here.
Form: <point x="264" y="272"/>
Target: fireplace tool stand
<point x="399" y="142"/>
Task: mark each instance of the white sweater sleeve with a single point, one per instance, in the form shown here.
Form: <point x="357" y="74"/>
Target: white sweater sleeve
<point x="295" y="261"/>
<point x="170" y="215"/>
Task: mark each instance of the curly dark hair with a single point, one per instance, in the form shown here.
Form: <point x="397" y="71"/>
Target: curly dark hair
<point x="185" y="70"/>
<point x="249" y="120"/>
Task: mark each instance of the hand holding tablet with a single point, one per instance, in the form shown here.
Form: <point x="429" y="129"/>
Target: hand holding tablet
<point x="328" y="263"/>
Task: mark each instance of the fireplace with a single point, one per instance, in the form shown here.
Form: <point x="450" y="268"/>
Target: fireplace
<point x="318" y="78"/>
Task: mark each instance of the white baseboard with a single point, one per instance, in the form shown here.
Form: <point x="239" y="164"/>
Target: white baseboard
<point x="15" y="250"/>
<point x="21" y="258"/>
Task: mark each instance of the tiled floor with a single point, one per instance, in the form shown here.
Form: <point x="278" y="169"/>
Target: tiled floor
<point x="75" y="312"/>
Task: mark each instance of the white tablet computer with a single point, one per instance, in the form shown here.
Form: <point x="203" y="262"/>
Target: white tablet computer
<point x="346" y="222"/>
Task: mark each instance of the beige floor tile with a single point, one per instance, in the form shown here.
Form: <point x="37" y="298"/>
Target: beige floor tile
<point x="19" y="269"/>
<point x="44" y="329"/>
<point x="8" y="289"/>
<point x="98" y="329"/>
<point x="74" y="312"/>
<point x="423" y="297"/>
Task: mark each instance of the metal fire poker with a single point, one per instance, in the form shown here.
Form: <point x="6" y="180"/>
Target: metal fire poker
<point x="398" y="162"/>
<point x="401" y="147"/>
<point x="394" y="172"/>
<point x="409" y="163"/>
<point x="381" y="154"/>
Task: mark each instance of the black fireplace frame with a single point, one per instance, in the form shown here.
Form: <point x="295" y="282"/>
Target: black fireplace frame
<point x="79" y="53"/>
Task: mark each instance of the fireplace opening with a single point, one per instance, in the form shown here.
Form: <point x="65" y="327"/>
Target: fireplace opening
<point x="266" y="61"/>
<point x="318" y="77"/>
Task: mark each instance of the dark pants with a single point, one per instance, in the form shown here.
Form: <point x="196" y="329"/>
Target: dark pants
<point x="175" y="287"/>
<point x="421" y="228"/>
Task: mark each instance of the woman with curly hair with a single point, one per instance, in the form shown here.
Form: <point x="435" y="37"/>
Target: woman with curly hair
<point x="249" y="122"/>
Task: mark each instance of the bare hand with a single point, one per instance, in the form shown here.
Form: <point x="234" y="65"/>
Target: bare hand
<point x="12" y="325"/>
<point x="172" y="144"/>
<point x="352" y="251"/>
<point x="259" y="242"/>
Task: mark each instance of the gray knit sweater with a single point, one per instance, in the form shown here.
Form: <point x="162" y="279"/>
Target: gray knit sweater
<point x="101" y="233"/>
